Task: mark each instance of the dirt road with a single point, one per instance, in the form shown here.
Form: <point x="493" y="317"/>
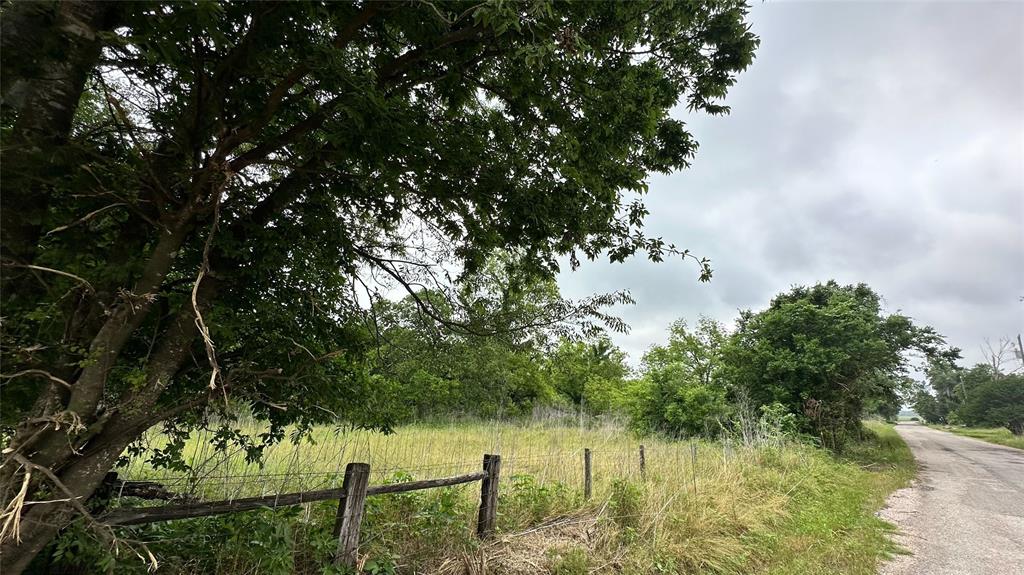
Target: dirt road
<point x="965" y="515"/>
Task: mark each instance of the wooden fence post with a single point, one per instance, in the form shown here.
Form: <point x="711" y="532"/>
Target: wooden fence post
<point x="643" y="463"/>
<point x="587" y="489"/>
<point x="350" y="513"/>
<point x="693" y="465"/>
<point x="488" y="496"/>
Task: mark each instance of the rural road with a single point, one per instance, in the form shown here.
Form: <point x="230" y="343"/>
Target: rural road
<point x="965" y="514"/>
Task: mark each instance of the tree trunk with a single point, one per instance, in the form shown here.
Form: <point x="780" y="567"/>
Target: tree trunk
<point x="81" y="462"/>
<point x="41" y="523"/>
<point x="48" y="49"/>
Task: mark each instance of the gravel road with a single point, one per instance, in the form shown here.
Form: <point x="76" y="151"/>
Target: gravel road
<point x="965" y="514"/>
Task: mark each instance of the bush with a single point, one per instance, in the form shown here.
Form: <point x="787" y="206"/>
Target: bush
<point x="998" y="402"/>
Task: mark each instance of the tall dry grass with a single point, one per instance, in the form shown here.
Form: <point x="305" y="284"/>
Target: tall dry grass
<point x="760" y="506"/>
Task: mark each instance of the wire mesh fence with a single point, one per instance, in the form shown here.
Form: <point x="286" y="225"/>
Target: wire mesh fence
<point x="318" y="461"/>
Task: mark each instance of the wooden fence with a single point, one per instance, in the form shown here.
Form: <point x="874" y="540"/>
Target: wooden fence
<point x="351" y="498"/>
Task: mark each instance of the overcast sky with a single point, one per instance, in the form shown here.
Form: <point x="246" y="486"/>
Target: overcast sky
<point x="874" y="142"/>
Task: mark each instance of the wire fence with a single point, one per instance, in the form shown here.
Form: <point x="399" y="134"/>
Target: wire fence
<point x="320" y="461"/>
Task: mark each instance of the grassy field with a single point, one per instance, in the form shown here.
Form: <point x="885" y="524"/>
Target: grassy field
<point x="703" y="507"/>
<point x="999" y="435"/>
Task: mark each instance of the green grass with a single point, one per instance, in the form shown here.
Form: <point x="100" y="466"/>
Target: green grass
<point x="999" y="435"/>
<point x="775" y="508"/>
<point x="833" y="528"/>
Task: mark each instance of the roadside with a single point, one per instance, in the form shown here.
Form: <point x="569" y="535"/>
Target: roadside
<point x="965" y="514"/>
<point x="780" y="507"/>
<point x="999" y="435"/>
<point x="833" y="526"/>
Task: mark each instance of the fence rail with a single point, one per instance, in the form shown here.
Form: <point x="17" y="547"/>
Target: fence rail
<point x="351" y="497"/>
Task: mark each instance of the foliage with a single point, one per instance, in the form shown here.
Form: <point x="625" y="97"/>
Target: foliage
<point x="590" y="374"/>
<point x="929" y="408"/>
<point x="998" y="402"/>
<point x="534" y="500"/>
<point x="625" y="505"/>
<point x="681" y="393"/>
<point x="205" y="222"/>
<point x="980" y="396"/>
<point x="825" y="352"/>
<point x="502" y="363"/>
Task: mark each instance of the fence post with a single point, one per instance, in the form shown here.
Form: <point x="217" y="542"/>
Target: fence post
<point x="488" y="496"/>
<point x="587" y="490"/>
<point x="643" y="463"/>
<point x="693" y="465"/>
<point x="350" y="513"/>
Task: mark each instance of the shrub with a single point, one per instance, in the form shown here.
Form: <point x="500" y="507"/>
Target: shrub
<point x="998" y="402"/>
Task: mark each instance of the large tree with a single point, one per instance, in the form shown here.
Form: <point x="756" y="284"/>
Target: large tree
<point x="827" y="352"/>
<point x="192" y="191"/>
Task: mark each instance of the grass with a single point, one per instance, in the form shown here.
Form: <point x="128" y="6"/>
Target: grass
<point x="999" y="435"/>
<point x="701" y="507"/>
<point x="833" y="528"/>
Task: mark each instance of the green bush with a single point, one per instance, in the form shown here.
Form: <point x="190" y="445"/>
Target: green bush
<point x="527" y="501"/>
<point x="998" y="402"/>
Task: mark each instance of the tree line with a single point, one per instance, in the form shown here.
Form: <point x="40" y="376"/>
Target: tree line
<point x="984" y="395"/>
<point x="828" y="354"/>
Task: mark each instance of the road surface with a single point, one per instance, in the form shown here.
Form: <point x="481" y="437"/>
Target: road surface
<point x="965" y="514"/>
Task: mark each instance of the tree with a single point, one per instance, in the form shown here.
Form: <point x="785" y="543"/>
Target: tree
<point x="681" y="393"/>
<point x="950" y="387"/>
<point x="494" y="364"/>
<point x="999" y="402"/>
<point x="232" y="171"/>
<point x="926" y="406"/>
<point x="825" y="352"/>
<point x="589" y="373"/>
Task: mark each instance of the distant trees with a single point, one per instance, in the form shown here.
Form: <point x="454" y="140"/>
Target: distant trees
<point x="980" y="396"/>
<point x="998" y="402"/>
<point x="497" y="346"/>
<point x="827" y="354"/>
<point x="589" y="374"/>
<point x="928" y="408"/>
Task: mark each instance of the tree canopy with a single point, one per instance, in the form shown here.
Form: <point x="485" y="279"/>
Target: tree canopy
<point x="681" y="392"/>
<point x="195" y="194"/>
<point x="981" y="396"/>
<point x="824" y="352"/>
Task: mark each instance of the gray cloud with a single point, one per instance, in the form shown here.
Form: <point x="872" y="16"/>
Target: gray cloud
<point x="872" y="142"/>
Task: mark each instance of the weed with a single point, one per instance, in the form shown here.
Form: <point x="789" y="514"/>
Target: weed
<point x="570" y="562"/>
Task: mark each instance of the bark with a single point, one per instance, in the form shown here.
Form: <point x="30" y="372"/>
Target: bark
<point x="84" y="472"/>
<point x="49" y="50"/>
<point x="83" y="464"/>
<point x="41" y="523"/>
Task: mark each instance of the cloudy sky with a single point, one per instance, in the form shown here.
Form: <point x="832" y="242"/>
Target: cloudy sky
<point x="874" y="142"/>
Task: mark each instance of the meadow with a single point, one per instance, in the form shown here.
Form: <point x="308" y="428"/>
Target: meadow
<point x="771" y="506"/>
